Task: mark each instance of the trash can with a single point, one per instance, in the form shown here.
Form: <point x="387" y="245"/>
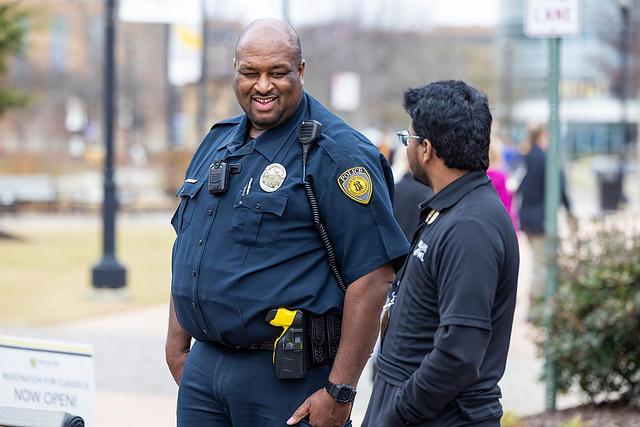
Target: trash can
<point x="609" y="176"/>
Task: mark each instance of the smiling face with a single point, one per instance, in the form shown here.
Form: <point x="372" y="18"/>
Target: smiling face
<point x="268" y="77"/>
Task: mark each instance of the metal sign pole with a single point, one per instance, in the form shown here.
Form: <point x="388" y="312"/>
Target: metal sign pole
<point x="551" y="203"/>
<point x="552" y="19"/>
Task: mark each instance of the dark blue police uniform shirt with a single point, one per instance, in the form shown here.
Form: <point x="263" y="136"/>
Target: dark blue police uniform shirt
<point x="456" y="299"/>
<point x="242" y="253"/>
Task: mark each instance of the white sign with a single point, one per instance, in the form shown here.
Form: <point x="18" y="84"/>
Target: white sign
<point x="49" y="375"/>
<point x="76" y="118"/>
<point x="552" y="18"/>
<point x="185" y="54"/>
<point x="345" y="91"/>
<point x="160" y="11"/>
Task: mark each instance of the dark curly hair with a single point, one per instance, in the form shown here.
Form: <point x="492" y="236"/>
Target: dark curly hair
<point x="455" y="117"/>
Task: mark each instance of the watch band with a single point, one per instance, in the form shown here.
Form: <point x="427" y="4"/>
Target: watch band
<point x="341" y="393"/>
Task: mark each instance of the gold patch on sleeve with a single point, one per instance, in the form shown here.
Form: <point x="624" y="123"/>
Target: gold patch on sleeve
<point x="356" y="184"/>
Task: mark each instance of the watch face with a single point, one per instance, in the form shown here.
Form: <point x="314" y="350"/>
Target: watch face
<point x="344" y="394"/>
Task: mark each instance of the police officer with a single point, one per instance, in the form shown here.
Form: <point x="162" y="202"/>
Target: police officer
<point x="246" y="244"/>
<point x="445" y="345"/>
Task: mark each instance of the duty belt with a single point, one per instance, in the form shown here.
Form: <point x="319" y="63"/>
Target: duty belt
<point x="322" y="337"/>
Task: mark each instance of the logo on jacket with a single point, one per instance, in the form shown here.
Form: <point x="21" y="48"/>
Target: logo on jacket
<point x="356" y="184"/>
<point x="420" y="250"/>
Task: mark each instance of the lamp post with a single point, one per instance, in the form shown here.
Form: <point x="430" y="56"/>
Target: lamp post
<point x="108" y="273"/>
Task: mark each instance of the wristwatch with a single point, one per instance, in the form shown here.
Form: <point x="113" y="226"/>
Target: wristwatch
<point x="342" y="393"/>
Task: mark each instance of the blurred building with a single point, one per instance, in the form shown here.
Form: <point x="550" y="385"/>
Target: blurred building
<point x="61" y="72"/>
<point x="158" y="125"/>
<point x="388" y="62"/>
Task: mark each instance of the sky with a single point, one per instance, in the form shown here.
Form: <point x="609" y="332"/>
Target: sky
<point x="388" y="13"/>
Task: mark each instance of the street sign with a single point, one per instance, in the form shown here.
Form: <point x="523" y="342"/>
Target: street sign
<point x="552" y="18"/>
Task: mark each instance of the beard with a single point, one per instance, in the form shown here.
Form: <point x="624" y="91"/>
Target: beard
<point x="424" y="179"/>
<point x="419" y="173"/>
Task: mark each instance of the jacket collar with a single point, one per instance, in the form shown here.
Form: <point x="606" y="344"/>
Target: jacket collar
<point x="452" y="193"/>
<point x="273" y="140"/>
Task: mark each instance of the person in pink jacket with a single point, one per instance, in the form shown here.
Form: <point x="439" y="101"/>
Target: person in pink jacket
<point x="499" y="180"/>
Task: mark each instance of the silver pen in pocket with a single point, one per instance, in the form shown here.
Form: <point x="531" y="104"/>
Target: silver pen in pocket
<point x="249" y="185"/>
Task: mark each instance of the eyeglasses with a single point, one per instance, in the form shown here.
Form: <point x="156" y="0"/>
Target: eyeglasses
<point x="404" y="136"/>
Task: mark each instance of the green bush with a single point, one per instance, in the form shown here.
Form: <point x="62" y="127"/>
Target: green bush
<point x="595" y="338"/>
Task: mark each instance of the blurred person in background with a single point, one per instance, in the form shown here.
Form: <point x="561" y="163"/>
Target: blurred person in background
<point x="246" y="246"/>
<point x="509" y="157"/>
<point x="499" y="178"/>
<point x="446" y="330"/>
<point x="531" y="195"/>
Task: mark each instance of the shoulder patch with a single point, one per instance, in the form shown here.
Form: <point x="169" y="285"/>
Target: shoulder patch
<point x="356" y="184"/>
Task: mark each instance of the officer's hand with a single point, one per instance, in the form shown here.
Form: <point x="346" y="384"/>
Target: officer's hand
<point x="323" y="411"/>
<point x="177" y="346"/>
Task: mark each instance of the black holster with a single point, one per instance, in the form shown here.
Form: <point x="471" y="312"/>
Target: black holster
<point x="309" y="342"/>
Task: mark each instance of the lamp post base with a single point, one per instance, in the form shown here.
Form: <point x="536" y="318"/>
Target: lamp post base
<point x="108" y="273"/>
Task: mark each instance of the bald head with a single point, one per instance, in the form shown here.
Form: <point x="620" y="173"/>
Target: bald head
<point x="269" y="73"/>
<point x="271" y="30"/>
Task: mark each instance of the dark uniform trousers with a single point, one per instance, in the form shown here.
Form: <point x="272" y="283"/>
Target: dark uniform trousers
<point x="383" y="399"/>
<point x="222" y="387"/>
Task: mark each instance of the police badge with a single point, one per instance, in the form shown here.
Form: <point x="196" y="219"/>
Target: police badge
<point x="272" y="177"/>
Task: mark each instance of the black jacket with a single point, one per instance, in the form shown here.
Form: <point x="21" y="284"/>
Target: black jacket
<point x="409" y="193"/>
<point x="531" y="192"/>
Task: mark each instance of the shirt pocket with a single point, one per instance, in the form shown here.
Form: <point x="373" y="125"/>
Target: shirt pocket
<point x="184" y="213"/>
<point x="257" y="218"/>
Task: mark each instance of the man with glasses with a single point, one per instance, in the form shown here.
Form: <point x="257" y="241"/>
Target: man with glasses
<point x="446" y="330"/>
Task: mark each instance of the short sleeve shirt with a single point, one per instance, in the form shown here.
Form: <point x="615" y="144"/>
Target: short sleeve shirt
<point x="254" y="248"/>
<point x="462" y="270"/>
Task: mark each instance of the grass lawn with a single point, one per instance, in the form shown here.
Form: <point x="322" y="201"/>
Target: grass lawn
<point x="45" y="277"/>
